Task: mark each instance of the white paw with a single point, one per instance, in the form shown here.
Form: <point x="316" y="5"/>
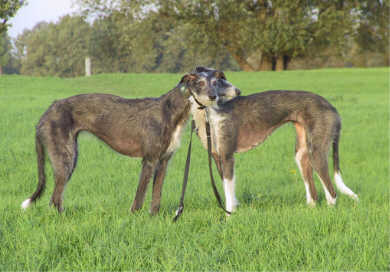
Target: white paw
<point x="26" y="203"/>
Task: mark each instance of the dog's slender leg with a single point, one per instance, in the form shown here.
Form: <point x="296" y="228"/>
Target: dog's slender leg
<point x="218" y="164"/>
<point x="63" y="163"/>
<point x="319" y="144"/>
<point x="148" y="168"/>
<point x="158" y="182"/>
<point x="62" y="168"/>
<point x="303" y="162"/>
<point x="319" y="162"/>
<point x="229" y="183"/>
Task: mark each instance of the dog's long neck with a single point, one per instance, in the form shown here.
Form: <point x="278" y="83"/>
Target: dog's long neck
<point x="176" y="106"/>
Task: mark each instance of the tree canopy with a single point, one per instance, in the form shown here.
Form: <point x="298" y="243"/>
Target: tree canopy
<point x="173" y="36"/>
<point x="8" y="9"/>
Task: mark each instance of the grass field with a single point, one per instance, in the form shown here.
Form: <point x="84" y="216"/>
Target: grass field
<point x="273" y="229"/>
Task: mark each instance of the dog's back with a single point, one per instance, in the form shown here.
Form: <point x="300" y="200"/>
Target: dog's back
<point x="252" y="118"/>
<point x="280" y="106"/>
<point x="111" y="118"/>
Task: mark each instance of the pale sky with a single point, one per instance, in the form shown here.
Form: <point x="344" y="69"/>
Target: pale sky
<point x="39" y="10"/>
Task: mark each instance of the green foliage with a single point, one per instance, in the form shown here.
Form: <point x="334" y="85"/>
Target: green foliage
<point x="8" y="9"/>
<point x="272" y="230"/>
<point x="55" y="49"/>
<point x="5" y="48"/>
<point x="173" y="36"/>
<point x="373" y="31"/>
<point x="262" y="31"/>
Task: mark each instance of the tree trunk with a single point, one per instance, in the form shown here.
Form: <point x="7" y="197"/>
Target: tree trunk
<point x="88" y="66"/>
<point x="265" y="64"/>
<point x="286" y="61"/>
<point x="279" y="63"/>
<point x="244" y="65"/>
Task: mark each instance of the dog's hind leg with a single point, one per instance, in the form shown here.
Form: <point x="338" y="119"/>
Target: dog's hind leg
<point x="303" y="162"/>
<point x="63" y="157"/>
<point x="148" y="168"/>
<point x="158" y="181"/>
<point x="319" y="148"/>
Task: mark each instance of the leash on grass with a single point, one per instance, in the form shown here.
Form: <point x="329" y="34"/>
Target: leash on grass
<point x="179" y="211"/>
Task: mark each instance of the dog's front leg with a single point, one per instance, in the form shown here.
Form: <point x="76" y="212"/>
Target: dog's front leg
<point x="158" y="182"/>
<point x="148" y="168"/>
<point x="227" y="165"/>
<point x="218" y="164"/>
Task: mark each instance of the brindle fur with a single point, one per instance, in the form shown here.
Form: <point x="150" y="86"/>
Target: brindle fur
<point x="149" y="128"/>
<point x="244" y="122"/>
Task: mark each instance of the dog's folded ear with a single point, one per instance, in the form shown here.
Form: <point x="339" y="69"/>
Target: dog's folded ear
<point x="188" y="78"/>
<point x="220" y="74"/>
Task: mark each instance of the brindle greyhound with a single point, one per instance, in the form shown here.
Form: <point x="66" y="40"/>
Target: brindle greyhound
<point x="149" y="128"/>
<point x="242" y="123"/>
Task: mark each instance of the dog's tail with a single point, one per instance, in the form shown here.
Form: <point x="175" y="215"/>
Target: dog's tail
<point x="336" y="162"/>
<point x="337" y="172"/>
<point x="41" y="173"/>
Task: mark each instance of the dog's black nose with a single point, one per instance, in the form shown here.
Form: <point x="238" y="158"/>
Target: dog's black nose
<point x="212" y="97"/>
<point x="238" y="92"/>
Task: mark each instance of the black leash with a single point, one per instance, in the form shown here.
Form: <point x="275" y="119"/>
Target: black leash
<point x="185" y="178"/>
<point x="179" y="211"/>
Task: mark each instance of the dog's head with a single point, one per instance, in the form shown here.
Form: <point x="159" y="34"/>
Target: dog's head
<point x="224" y="89"/>
<point x="200" y="88"/>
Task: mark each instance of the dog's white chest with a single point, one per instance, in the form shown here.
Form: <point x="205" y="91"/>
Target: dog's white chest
<point x="216" y="122"/>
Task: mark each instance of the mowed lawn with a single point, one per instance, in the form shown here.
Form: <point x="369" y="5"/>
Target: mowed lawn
<point x="273" y="229"/>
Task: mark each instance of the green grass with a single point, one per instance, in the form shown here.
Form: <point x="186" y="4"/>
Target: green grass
<point x="273" y="229"/>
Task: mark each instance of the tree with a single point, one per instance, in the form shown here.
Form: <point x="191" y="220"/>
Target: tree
<point x="133" y="36"/>
<point x="265" y="34"/>
<point x="5" y="48"/>
<point x="55" y="49"/>
<point x="8" y="9"/>
<point x="374" y="24"/>
<point x="146" y="40"/>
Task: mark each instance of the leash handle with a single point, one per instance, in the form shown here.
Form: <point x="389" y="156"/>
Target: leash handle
<point x="179" y="211"/>
<point x="217" y="195"/>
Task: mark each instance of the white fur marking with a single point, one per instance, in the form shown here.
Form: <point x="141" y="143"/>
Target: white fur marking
<point x="26" y="203"/>
<point x="230" y="195"/>
<point x="175" y="139"/>
<point x="343" y="188"/>
<point x="309" y="200"/>
<point x="298" y="157"/>
<point x="216" y="120"/>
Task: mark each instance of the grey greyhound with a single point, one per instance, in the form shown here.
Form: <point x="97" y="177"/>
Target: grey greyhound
<point x="239" y="124"/>
<point x="149" y="128"/>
